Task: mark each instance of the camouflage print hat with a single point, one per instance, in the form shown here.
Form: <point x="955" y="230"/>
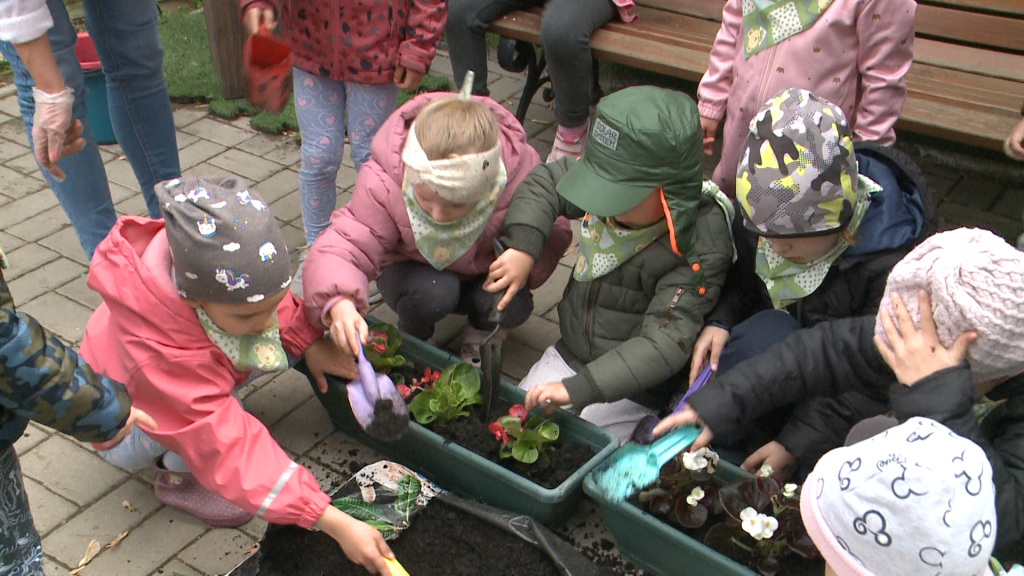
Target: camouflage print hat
<point x="797" y="174"/>
<point x="226" y="245"/>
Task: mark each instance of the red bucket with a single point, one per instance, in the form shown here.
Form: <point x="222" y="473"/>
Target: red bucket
<point x="268" y="63"/>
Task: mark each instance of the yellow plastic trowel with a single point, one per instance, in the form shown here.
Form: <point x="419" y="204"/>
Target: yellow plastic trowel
<point x="396" y="567"/>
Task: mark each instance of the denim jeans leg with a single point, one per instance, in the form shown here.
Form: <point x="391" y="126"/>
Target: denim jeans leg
<point x="84" y="196"/>
<point x="128" y="45"/>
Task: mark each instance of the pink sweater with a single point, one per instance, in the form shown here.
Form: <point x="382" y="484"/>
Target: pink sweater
<point x="146" y="336"/>
<point x="856" y="56"/>
<point x="372" y="231"/>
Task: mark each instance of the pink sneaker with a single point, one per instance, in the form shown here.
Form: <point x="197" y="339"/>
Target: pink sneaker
<point x="569" y="142"/>
<point x="184" y="492"/>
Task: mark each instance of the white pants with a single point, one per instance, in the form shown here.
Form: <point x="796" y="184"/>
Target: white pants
<point x="620" y="417"/>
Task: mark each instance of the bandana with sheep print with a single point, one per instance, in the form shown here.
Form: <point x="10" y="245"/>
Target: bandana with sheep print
<point x="769" y="22"/>
<point x="250" y="352"/>
<point x="441" y="244"/>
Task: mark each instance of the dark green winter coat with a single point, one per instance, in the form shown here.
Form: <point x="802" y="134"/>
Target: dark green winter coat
<point x="633" y="328"/>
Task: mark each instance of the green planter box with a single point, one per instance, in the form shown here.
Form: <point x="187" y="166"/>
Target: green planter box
<point x="658" y="547"/>
<point x="466" y="473"/>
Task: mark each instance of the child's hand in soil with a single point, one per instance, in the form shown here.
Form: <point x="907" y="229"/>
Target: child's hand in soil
<point x="348" y="327"/>
<point x="359" y="541"/>
<point x="708" y="349"/>
<point x="774" y="455"/>
<point x="508" y="272"/>
<point x="687" y="416"/>
<point x="914" y="354"/>
<point x="549" y="396"/>
<point x="324" y="358"/>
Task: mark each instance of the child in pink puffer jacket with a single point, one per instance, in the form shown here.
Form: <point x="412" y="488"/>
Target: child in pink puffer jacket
<point x="854" y="53"/>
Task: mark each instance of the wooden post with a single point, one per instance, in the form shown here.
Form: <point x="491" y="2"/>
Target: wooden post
<point x="227" y="36"/>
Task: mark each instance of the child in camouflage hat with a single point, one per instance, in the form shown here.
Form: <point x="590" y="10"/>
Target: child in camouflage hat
<point x="193" y="304"/>
<point x="43" y="380"/>
<point x="654" y="252"/>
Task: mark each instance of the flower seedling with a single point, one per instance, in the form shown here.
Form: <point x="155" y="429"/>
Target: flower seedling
<point x="456" y="389"/>
<point x="524" y="438"/>
<point x="426" y="382"/>
<point x="381" y="350"/>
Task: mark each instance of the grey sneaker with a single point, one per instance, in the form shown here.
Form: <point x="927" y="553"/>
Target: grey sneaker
<point x="373" y="296"/>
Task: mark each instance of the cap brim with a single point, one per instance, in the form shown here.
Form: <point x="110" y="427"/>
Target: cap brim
<point x="599" y="196"/>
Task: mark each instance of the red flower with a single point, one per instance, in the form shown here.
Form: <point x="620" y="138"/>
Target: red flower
<point x="435" y="376"/>
<point x="518" y="411"/>
<point x="498" y="431"/>
<point x="404" y="390"/>
<point x="382" y="348"/>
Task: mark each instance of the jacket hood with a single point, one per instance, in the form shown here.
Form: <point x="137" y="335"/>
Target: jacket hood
<point x="131" y="270"/>
<point x="389" y="141"/>
<point x="896" y="216"/>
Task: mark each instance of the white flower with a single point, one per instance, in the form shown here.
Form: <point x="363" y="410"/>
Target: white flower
<point x="712" y="457"/>
<point x="696" y="495"/>
<point x="759" y="526"/>
<point x="789" y="490"/>
<point x="770" y="524"/>
<point x="695" y="461"/>
<point x="765" y="471"/>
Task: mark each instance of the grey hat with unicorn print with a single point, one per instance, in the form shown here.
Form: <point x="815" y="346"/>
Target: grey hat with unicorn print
<point x="225" y="243"/>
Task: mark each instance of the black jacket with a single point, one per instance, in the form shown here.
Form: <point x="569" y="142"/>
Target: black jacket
<point x="842" y="379"/>
<point x="899" y="217"/>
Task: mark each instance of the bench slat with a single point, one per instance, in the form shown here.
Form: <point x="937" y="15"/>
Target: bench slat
<point x="962" y="26"/>
<point x="951" y="123"/>
<point x="705" y="9"/>
<point x="972" y="60"/>
<point x="1011" y="7"/>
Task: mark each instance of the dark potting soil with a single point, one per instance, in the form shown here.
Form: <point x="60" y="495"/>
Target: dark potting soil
<point x="441" y="541"/>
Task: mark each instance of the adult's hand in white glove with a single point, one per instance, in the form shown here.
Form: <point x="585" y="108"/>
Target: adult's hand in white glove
<point x="53" y="133"/>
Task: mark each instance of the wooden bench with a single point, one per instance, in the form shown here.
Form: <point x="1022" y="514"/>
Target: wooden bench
<point x="966" y="84"/>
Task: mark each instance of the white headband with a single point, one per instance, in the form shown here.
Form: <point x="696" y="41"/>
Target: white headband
<point x="460" y="180"/>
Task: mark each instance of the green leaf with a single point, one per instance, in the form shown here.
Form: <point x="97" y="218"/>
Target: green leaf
<point x="420" y="407"/>
<point x="548" y="431"/>
<point x="467" y="377"/>
<point x="407" y="492"/>
<point x="510" y="423"/>
<point x="356" y="508"/>
<point x="524" y="452"/>
<point x="505" y="451"/>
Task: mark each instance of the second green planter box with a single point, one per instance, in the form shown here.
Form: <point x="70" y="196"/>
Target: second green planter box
<point x="466" y="473"/>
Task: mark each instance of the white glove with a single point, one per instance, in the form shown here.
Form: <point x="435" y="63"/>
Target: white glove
<point x="50" y="126"/>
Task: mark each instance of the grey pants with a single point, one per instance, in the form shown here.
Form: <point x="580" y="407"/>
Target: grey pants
<point x="21" y="553"/>
<point x="564" y="32"/>
<point x="423" y="295"/>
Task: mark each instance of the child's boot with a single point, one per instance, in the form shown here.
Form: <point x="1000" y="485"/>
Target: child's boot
<point x="181" y="490"/>
<point x="569" y="141"/>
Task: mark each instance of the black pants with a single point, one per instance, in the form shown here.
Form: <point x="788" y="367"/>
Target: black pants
<point x="564" y="32"/>
<point x="21" y="553"/>
<point x="423" y="295"/>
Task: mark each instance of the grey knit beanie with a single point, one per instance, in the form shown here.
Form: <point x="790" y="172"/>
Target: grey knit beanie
<point x="976" y="283"/>
<point x="225" y="243"/>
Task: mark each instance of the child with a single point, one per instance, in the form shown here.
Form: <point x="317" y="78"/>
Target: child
<point x="916" y="499"/>
<point x="565" y="34"/>
<point x="192" y="305"/>
<point x="43" y="380"/>
<point x="972" y="284"/>
<point x="351" y="58"/>
<point x="854" y="53"/>
<point x="823" y="222"/>
<point x="653" y="256"/>
<point x="422" y="222"/>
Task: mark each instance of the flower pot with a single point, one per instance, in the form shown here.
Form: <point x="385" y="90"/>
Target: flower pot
<point x="658" y="547"/>
<point x="466" y="473"/>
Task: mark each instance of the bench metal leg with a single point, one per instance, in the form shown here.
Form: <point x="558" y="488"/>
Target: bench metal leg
<point x="516" y="56"/>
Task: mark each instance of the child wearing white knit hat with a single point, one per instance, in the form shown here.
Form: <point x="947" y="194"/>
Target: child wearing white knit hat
<point x="948" y="344"/>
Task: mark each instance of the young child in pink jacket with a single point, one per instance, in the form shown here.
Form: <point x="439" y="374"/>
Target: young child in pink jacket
<point x="853" y="53"/>
<point x="422" y="221"/>
<point x="193" y="304"/>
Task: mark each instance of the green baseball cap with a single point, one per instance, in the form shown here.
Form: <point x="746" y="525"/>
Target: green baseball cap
<point x="642" y="138"/>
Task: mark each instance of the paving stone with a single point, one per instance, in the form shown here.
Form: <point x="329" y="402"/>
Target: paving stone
<point x="183" y="139"/>
<point x="503" y="88"/>
<point x="59" y="314"/>
<point x="216" y="131"/>
<point x="300" y="430"/>
<point x="254" y="384"/>
<point x="279" y="397"/>
<point x="261" y="144"/>
<point x="14" y="130"/>
<point x="187" y="115"/>
<point x="26" y="259"/>
<point x="536" y="333"/>
<point x="255" y="527"/>
<point x="51" y="568"/>
<point x="342" y="198"/>
<point x="133" y="206"/>
<point x="10" y="150"/>
<point x="44" y="279"/>
<point x="243" y="123"/>
<point x="10" y="242"/>
<point x="176" y="568"/>
<point x="66" y="243"/>
<point x="287" y="208"/>
<point x="250" y="166"/>
<point x="218" y="551"/>
<point x="202" y="169"/>
<point x="80" y="292"/>
<point x="278" y="186"/>
<point x="287" y="154"/>
<point x="549" y="294"/>
<point x="26" y="165"/>
<point x="9" y="106"/>
<point x="41" y="225"/>
<point x="346" y="177"/>
<point x="48" y="509"/>
<point x="942" y="184"/>
<point x="148" y="546"/>
<point x="978" y="192"/>
<point x="441" y="66"/>
<point x="953" y="215"/>
<point x="517" y="359"/>
<point x="102" y="521"/>
<point x="120" y="171"/>
<point x="295" y="238"/>
<point x="343" y="455"/>
<point x="49" y="463"/>
<point x="1011" y="204"/>
<point x="114" y="149"/>
<point x="551" y="315"/>
<point x="328" y="479"/>
<point x="198" y="151"/>
<point x="33" y="435"/>
<point x="120" y="193"/>
<point x="24" y="208"/>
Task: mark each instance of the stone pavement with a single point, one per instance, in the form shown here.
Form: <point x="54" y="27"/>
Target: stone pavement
<point x="76" y="497"/>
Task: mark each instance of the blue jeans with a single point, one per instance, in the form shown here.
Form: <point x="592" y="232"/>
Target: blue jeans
<point x="126" y="39"/>
<point x="324" y="108"/>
